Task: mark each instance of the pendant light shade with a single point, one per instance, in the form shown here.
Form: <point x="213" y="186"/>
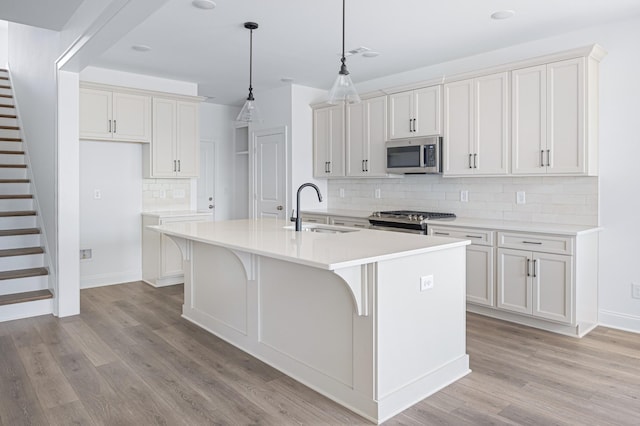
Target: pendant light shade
<point x="250" y="112"/>
<point x="343" y="89"/>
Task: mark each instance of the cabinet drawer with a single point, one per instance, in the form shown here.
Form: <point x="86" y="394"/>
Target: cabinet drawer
<point x="536" y="242"/>
<point x="350" y="222"/>
<point x="175" y="219"/>
<point x="312" y="218"/>
<point x="480" y="237"/>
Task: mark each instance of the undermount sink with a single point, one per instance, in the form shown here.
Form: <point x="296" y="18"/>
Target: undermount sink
<point x="324" y="229"/>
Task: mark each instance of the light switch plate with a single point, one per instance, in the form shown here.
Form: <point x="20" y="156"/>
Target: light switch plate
<point x="464" y="196"/>
<point x="635" y="291"/>
<point x="520" y="197"/>
<point x="426" y="282"/>
<point x="377" y="193"/>
<point x="97" y="194"/>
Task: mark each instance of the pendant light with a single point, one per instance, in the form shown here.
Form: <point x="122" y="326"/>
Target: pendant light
<point x="249" y="112"/>
<point x="343" y="89"/>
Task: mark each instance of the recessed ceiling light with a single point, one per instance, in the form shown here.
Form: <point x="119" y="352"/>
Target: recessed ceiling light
<point x="141" y="47"/>
<point x="203" y="4"/>
<point x="503" y="14"/>
<point x="371" y="54"/>
<point x="286" y="80"/>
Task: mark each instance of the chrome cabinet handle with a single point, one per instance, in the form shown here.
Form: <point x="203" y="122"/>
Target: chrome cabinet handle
<point x="528" y="270"/>
<point x="366" y="165"/>
<point x="179" y="168"/>
<point x="357" y="225"/>
<point x="475" y="156"/>
<point x="548" y="158"/>
<point x="363" y="166"/>
<point x="410" y="128"/>
<point x="542" y="158"/>
<point x="440" y="233"/>
<point x="535" y="262"/>
<point x="470" y="162"/>
<point x="114" y="126"/>
<point x="109" y="126"/>
<point x="328" y="166"/>
<point x="473" y="236"/>
<point x="338" y="223"/>
<point x="414" y="124"/>
<point x="532" y="242"/>
<point x="174" y="166"/>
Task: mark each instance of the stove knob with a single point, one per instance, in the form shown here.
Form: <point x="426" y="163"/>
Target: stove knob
<point x="421" y="218"/>
<point x="410" y="217"/>
<point x="377" y="214"/>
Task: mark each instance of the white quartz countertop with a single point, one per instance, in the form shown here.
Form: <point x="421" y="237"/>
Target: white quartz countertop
<point x="176" y="213"/>
<point x="507" y="225"/>
<point x="271" y="238"/>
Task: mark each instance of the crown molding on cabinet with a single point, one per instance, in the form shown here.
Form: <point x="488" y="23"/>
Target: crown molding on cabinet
<point x="131" y="90"/>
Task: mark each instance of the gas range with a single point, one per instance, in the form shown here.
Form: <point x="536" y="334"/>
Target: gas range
<point x="405" y="220"/>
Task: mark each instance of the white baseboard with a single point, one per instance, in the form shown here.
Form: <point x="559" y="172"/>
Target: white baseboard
<point x="26" y="310"/>
<point x="100" y="280"/>
<point x="619" y="321"/>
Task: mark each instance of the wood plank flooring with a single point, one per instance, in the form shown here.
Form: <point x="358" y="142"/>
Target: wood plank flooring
<point x="129" y="359"/>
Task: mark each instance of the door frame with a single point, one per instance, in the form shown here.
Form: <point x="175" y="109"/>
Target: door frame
<point x="253" y="161"/>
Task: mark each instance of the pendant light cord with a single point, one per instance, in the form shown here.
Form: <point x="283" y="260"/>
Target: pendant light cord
<point x="343" y="67"/>
<point x="250" y="65"/>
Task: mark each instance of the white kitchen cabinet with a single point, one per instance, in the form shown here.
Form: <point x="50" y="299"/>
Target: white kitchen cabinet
<point x="328" y="141"/>
<point x="350" y="222"/>
<point x="476" y="126"/>
<point x="112" y="115"/>
<point x="480" y="261"/>
<point x="415" y="113"/>
<point x="366" y="137"/>
<point x="550" y="104"/>
<point x="314" y="218"/>
<point x="174" y="150"/>
<point x="161" y="257"/>
<point x="535" y="283"/>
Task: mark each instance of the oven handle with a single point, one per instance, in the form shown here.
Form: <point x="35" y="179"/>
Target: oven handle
<point x="389" y="228"/>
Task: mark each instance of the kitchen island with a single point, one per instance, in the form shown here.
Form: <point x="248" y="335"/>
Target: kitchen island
<point x="371" y="319"/>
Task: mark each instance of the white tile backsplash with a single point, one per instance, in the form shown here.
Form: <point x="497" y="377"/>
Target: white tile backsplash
<point x="568" y="200"/>
<point x="166" y="194"/>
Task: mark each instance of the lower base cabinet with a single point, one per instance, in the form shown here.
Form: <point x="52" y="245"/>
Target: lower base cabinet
<point x="161" y="257"/>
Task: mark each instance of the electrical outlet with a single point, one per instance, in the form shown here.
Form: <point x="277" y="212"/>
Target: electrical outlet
<point x="341" y="192"/>
<point x="97" y="194"/>
<point x="635" y="291"/>
<point x="179" y="193"/>
<point x="377" y="193"/>
<point x="86" y="254"/>
<point x="464" y="196"/>
<point x="426" y="282"/>
<point x="520" y="198"/>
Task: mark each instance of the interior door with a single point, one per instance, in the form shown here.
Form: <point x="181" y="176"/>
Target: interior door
<point x="458" y="128"/>
<point x="188" y="138"/>
<point x="271" y="171"/>
<point x="514" y="282"/>
<point x="132" y="117"/>
<point x="206" y="179"/>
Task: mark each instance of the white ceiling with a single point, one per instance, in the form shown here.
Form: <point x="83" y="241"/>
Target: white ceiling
<point x="49" y="14"/>
<point x="301" y="39"/>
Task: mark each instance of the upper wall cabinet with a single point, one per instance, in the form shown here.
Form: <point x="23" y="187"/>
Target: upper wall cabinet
<point x="174" y="151"/>
<point x="554" y="118"/>
<point x="112" y="115"/>
<point x="476" y="126"/>
<point x="415" y="113"/>
<point x="328" y="141"/>
<point x="366" y="136"/>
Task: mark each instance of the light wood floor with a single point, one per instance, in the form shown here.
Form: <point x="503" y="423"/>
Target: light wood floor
<point x="129" y="359"/>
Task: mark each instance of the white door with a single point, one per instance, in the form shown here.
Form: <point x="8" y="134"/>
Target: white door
<point x="163" y="153"/>
<point x="206" y="180"/>
<point x="187" y="138"/>
<point x="491" y="121"/>
<point x="552" y="278"/>
<point x="400" y="115"/>
<point x="95" y="114"/>
<point x="271" y="171"/>
<point x="321" y="141"/>
<point x="514" y="281"/>
<point x="480" y="275"/>
<point x="426" y="111"/>
<point x="529" y="120"/>
<point x="131" y="117"/>
<point x="376" y="134"/>
<point x="458" y="128"/>
<point x="356" y="139"/>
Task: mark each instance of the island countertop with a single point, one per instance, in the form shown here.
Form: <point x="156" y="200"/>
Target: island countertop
<point x="275" y="238"/>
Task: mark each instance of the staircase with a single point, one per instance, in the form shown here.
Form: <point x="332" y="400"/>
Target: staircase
<point x="24" y="283"/>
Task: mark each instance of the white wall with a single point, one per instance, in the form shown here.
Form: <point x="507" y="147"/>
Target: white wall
<point x="4" y="43"/>
<point x="619" y="149"/>
<point x="110" y="226"/>
<point x="217" y="125"/>
<point x="32" y="54"/>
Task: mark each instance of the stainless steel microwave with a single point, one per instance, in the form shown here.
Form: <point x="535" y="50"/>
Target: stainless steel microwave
<point x="415" y="156"/>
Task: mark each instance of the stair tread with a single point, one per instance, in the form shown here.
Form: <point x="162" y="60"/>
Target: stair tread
<point x="12" y="152"/>
<point x="23" y="273"/>
<point x="18" y="213"/>
<point x="8" y="116"/>
<point x="22" y="231"/>
<point x="5" y="96"/>
<point x="14" y="181"/>
<point x="21" y="251"/>
<point x="9" y="127"/>
<point x="14" y="166"/>
<point x="29" y="296"/>
<point x="15" y="196"/>
<point x="7" y="106"/>
<point x="10" y="140"/>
